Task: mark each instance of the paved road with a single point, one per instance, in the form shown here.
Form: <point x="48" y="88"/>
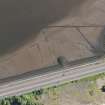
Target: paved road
<point x="52" y="78"/>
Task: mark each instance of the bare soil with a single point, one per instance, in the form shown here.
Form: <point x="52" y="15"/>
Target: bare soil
<point x="46" y="43"/>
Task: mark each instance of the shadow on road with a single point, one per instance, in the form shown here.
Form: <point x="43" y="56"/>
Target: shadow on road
<point x="20" y="18"/>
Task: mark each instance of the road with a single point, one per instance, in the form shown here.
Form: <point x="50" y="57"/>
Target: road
<point x="52" y="78"/>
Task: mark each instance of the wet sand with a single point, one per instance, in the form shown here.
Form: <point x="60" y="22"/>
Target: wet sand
<point x="27" y="41"/>
<point x="20" y="18"/>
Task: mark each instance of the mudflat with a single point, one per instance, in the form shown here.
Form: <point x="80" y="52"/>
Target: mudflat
<point x="31" y="36"/>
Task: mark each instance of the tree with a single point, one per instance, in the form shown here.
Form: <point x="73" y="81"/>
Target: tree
<point x="103" y="88"/>
<point x="5" y="102"/>
<point x="38" y="92"/>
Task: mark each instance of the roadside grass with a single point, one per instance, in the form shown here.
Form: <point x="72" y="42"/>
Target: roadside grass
<point x="34" y="98"/>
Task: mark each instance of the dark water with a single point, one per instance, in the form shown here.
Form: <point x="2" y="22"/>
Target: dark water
<point x="20" y="18"/>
